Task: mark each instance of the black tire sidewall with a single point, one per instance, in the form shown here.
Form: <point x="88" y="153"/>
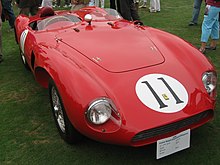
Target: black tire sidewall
<point x="71" y="135"/>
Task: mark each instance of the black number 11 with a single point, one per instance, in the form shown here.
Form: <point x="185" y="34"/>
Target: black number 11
<point x="162" y="105"/>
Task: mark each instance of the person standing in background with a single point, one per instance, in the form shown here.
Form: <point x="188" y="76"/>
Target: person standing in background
<point x="128" y="10"/>
<point x="154" y="6"/>
<point x="96" y="3"/>
<point x="144" y="5"/>
<point x="196" y="10"/>
<point x="58" y="3"/>
<point x="67" y="4"/>
<point x="28" y="6"/>
<point x="1" y="56"/>
<point x="8" y="10"/>
<point x="210" y="25"/>
<point x="115" y="4"/>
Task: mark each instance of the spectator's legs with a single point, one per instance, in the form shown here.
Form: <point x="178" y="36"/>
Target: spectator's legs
<point x="67" y="4"/>
<point x="58" y="2"/>
<point x="92" y="3"/>
<point x="102" y="3"/>
<point x="25" y="11"/>
<point x="152" y="5"/>
<point x="144" y="5"/>
<point x="125" y="9"/>
<point x="112" y="4"/>
<point x="134" y="12"/>
<point x="118" y="6"/>
<point x="7" y="6"/>
<point x="210" y="26"/>
<point x="157" y="5"/>
<point x="196" y="11"/>
<point x="96" y="2"/>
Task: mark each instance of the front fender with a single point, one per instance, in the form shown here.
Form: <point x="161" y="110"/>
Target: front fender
<point x="77" y="87"/>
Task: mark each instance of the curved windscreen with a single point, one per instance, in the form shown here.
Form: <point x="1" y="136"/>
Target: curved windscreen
<point x="61" y="20"/>
<point x="98" y="14"/>
<point x="113" y="13"/>
<point x="105" y="14"/>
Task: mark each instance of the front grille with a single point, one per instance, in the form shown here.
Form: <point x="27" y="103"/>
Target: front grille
<point x="171" y="127"/>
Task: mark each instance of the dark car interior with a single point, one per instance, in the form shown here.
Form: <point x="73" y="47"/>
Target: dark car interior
<point x="48" y="16"/>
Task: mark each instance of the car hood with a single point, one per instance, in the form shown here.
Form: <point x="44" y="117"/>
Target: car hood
<point x="115" y="50"/>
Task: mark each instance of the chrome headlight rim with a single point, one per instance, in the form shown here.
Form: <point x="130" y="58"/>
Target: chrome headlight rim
<point x="103" y="114"/>
<point x="209" y="80"/>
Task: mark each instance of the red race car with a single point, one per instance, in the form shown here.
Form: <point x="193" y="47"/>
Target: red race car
<point x="117" y="81"/>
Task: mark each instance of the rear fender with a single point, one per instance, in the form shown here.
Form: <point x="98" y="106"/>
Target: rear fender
<point x="21" y="23"/>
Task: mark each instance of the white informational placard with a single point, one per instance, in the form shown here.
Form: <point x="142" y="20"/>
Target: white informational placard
<point x="173" y="144"/>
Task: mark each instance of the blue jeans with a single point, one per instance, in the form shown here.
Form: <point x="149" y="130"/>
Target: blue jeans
<point x="196" y="10"/>
<point x="210" y="25"/>
<point x="6" y="5"/>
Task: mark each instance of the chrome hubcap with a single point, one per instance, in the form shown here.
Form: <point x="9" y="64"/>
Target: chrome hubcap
<point x="57" y="108"/>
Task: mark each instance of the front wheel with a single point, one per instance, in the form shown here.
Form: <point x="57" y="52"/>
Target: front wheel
<point x="64" y="126"/>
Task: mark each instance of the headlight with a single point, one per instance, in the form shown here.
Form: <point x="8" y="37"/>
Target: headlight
<point x="209" y="80"/>
<point x="99" y="111"/>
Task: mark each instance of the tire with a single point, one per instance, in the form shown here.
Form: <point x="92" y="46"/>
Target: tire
<point x="66" y="130"/>
<point x="24" y="62"/>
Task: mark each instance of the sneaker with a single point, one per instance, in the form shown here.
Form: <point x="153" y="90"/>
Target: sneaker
<point x="153" y="11"/>
<point x="65" y="6"/>
<point x="143" y="6"/>
<point x="192" y="24"/>
<point x="210" y="47"/>
<point x="70" y="5"/>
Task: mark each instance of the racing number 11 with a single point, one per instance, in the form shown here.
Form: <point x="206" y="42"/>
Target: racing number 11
<point x="161" y="103"/>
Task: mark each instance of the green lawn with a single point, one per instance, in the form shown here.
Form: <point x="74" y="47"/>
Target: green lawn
<point x="27" y="131"/>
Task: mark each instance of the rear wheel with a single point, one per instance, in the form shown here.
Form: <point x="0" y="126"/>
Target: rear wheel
<point x="64" y="126"/>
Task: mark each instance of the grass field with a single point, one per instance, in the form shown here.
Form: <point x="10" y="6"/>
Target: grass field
<point x="27" y="131"/>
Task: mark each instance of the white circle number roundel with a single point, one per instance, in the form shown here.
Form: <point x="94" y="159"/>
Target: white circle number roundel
<point x="161" y="93"/>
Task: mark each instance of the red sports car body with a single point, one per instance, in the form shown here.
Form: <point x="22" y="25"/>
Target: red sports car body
<point x="113" y="80"/>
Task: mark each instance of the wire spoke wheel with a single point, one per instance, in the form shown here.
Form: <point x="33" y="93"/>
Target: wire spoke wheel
<point x="66" y="130"/>
<point x="57" y="108"/>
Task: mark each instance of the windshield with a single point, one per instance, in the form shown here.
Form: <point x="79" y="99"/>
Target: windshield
<point x="57" y="21"/>
<point x="99" y="14"/>
<point x="111" y="14"/>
